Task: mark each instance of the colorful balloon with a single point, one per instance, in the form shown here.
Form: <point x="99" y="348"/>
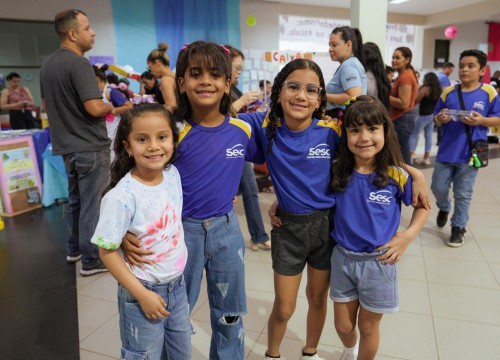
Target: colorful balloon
<point x="450" y="32"/>
<point x="251" y="20"/>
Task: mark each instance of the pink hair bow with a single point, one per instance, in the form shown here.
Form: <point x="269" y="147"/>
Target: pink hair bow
<point x="142" y="99"/>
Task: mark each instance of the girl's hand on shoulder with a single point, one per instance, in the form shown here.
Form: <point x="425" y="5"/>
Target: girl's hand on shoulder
<point x="395" y="249"/>
<point x="132" y="252"/>
<point x="420" y="190"/>
<point x="328" y="119"/>
<point x="275" y="220"/>
<point x="153" y="305"/>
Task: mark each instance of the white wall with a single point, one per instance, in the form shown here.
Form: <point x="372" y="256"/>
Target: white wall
<point x="470" y="36"/>
<point x="99" y="12"/>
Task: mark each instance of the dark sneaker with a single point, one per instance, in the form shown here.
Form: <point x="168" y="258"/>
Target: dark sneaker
<point x="457" y="237"/>
<point x="442" y="218"/>
<point x="73" y="259"/>
<point x="92" y="270"/>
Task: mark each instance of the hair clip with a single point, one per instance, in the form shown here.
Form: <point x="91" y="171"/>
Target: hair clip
<point x="350" y="101"/>
<point x="185" y="46"/>
<point x="225" y="49"/>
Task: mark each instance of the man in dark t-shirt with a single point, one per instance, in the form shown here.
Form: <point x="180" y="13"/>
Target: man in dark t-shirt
<point x="76" y="113"/>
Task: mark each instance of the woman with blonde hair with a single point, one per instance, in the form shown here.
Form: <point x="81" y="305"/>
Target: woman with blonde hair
<point x="159" y="65"/>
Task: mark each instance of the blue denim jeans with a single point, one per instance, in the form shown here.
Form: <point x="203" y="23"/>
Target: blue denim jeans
<point x="216" y="245"/>
<point x="404" y="126"/>
<point x="463" y="178"/>
<point x="250" y="192"/>
<point x="164" y="339"/>
<point x="88" y="175"/>
<point x="423" y="122"/>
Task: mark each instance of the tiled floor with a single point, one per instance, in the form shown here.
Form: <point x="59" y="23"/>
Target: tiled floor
<point x="449" y="298"/>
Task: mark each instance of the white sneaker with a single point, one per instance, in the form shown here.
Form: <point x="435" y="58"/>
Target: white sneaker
<point x="311" y="357"/>
<point x="347" y="356"/>
<point x="270" y="358"/>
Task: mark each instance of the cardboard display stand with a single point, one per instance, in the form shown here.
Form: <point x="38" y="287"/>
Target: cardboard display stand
<point x="20" y="184"/>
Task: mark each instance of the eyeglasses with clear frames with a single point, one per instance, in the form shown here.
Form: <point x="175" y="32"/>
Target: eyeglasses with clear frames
<point x="294" y="87"/>
<point x="238" y="68"/>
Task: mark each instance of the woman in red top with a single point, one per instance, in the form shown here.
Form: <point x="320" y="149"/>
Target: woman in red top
<point x="19" y="101"/>
<point x="402" y="99"/>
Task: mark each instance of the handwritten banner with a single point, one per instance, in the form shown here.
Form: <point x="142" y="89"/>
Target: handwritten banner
<point x="317" y="30"/>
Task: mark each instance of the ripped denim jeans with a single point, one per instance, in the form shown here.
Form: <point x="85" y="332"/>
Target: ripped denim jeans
<point x="216" y="244"/>
<point x="164" y="339"/>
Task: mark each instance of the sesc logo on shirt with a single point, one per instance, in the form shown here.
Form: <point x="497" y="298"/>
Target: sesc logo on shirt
<point x="382" y="197"/>
<point x="237" y="151"/>
<point x="478" y="106"/>
<point x="321" y="151"/>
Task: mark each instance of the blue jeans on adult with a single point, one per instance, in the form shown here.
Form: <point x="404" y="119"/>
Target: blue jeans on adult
<point x="88" y="175"/>
<point x="423" y="122"/>
<point x="163" y="339"/>
<point x="404" y="126"/>
<point x="463" y="178"/>
<point x="216" y="245"/>
<point x="250" y="192"/>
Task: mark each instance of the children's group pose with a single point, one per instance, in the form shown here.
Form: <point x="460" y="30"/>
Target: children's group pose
<point x="210" y="150"/>
<point x="299" y="149"/>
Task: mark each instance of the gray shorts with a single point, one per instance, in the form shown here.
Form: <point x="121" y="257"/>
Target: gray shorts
<point x="303" y="238"/>
<point x="359" y="276"/>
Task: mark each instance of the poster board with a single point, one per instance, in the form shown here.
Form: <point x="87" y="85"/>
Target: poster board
<point x="20" y="183"/>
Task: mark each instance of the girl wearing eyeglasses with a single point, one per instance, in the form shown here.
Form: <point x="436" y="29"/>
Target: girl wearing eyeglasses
<point x="346" y="47"/>
<point x="299" y="149"/>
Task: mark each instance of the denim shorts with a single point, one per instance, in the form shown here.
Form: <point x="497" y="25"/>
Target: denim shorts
<point x="303" y="238"/>
<point x="359" y="276"/>
<point x="167" y="338"/>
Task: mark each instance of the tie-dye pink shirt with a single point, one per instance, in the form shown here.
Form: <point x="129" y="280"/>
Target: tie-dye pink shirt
<point x="154" y="215"/>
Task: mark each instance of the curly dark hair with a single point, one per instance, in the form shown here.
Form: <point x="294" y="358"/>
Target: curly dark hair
<point x="123" y="163"/>
<point x="206" y="55"/>
<point x="366" y="110"/>
<point x="276" y="111"/>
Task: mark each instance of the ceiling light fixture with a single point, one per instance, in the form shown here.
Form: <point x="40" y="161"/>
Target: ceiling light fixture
<point x="397" y="1"/>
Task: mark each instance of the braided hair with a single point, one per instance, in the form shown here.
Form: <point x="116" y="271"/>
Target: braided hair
<point x="276" y="111"/>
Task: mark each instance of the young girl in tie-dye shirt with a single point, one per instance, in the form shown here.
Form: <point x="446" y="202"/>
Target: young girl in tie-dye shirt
<point x="144" y="197"/>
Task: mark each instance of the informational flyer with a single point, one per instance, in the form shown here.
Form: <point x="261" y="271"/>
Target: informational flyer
<point x="20" y="182"/>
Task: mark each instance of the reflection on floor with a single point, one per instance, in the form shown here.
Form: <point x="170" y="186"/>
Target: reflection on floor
<point x="38" y="304"/>
<point x="449" y="298"/>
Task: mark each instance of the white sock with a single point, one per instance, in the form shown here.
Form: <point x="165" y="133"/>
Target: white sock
<point x="353" y="350"/>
